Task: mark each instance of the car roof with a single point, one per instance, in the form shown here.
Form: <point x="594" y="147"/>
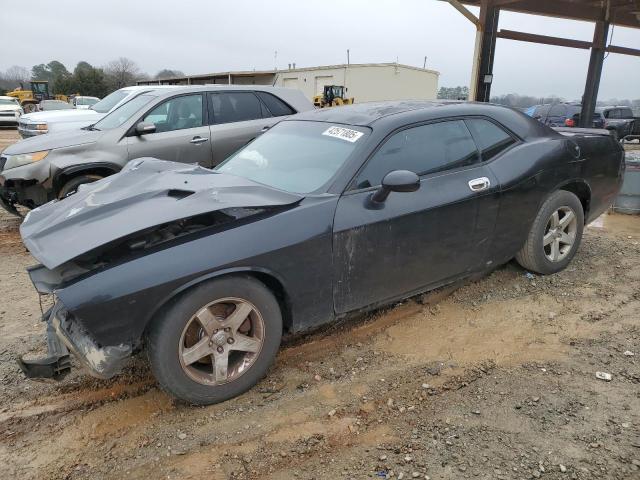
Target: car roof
<point x="388" y="116"/>
<point x="6" y="97"/>
<point x="364" y="114"/>
<point x="292" y="96"/>
<point x="609" y="107"/>
<point x="137" y="88"/>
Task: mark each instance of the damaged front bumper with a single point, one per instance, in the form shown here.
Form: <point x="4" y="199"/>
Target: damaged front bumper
<point x="64" y="336"/>
<point x="8" y="200"/>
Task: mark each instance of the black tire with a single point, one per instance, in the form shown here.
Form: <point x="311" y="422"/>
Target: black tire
<point x="533" y="255"/>
<point x="166" y="332"/>
<point x="72" y="185"/>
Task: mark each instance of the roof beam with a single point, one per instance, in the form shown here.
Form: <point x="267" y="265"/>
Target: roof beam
<point x="544" y="39"/>
<point x="464" y="11"/>
<point x="562" y="42"/>
<point x="620" y="10"/>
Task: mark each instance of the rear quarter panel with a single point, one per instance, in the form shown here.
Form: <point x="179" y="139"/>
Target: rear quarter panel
<point x="529" y="173"/>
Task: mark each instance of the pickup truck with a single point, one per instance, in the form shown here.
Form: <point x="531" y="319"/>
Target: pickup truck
<point x="618" y="120"/>
<point x="40" y="123"/>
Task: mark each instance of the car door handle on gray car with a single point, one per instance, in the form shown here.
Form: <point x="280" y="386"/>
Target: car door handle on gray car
<point x="198" y="140"/>
<point x="479" y="184"/>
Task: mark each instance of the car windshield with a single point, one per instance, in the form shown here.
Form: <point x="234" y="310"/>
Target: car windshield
<point x="8" y="101"/>
<point x="123" y="113"/>
<point x="295" y="156"/>
<point x="110" y="101"/>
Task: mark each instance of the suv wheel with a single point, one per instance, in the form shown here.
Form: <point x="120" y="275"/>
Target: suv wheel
<point x="72" y="185"/>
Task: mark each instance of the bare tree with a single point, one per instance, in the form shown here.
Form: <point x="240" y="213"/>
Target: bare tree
<point x="15" y="75"/>
<point x="122" y="72"/>
<point x="168" y="73"/>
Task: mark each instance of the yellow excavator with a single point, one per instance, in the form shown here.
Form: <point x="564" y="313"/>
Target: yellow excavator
<point x="29" y="98"/>
<point x="332" y="96"/>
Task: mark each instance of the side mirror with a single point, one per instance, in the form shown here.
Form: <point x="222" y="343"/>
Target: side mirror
<point x="144" y="128"/>
<point x="396" y="181"/>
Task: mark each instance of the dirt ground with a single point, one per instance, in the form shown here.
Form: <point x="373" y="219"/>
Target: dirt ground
<point x="493" y="380"/>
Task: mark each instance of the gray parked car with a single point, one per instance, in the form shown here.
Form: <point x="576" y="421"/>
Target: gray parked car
<point x="203" y="124"/>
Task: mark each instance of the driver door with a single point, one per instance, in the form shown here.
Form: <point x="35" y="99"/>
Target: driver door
<point x="418" y="239"/>
<point x="182" y="133"/>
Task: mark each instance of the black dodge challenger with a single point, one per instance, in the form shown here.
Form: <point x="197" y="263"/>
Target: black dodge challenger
<point x="328" y="213"/>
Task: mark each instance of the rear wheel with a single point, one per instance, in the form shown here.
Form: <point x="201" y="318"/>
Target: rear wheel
<point x="555" y="234"/>
<point x="216" y="341"/>
<point x="71" y="186"/>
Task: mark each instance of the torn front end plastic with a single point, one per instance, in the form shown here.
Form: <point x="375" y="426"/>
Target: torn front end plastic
<point x="56" y="365"/>
<point x="65" y="335"/>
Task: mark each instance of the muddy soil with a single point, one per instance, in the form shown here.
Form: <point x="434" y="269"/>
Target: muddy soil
<point x="495" y="379"/>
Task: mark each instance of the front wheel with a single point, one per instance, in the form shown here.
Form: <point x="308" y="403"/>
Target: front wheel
<point x="555" y="234"/>
<point x="216" y="341"/>
<point x="71" y="187"/>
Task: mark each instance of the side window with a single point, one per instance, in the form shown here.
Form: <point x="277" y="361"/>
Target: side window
<point x="276" y="106"/>
<point x="424" y="149"/>
<point x="558" y="110"/>
<point x="177" y="114"/>
<point x="626" y="113"/>
<point x="235" y="107"/>
<point x="542" y="111"/>
<point x="490" y="138"/>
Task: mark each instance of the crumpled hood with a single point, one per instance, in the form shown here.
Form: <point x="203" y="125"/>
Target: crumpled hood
<point x="146" y="193"/>
<point x="50" y="141"/>
<point x="74" y="115"/>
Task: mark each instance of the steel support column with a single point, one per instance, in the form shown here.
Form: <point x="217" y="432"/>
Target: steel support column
<point x="485" y="51"/>
<point x="594" y="73"/>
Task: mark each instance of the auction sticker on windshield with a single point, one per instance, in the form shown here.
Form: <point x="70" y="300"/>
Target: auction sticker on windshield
<point x="343" y="134"/>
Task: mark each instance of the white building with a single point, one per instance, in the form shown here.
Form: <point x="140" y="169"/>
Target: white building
<point x="365" y="82"/>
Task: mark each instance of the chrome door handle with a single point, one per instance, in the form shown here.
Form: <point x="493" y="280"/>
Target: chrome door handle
<point x="479" y="184"/>
<point x="198" y="140"/>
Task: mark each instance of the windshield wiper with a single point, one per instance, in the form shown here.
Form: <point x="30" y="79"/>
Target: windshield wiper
<point x="91" y="128"/>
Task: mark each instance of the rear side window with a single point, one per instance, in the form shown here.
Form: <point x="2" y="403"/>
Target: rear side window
<point x="424" y="149"/>
<point x="490" y="138"/>
<point x="235" y="107"/>
<point x="276" y="106"/>
<point x="626" y="113"/>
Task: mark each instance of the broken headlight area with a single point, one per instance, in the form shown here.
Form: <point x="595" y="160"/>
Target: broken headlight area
<point x="66" y="335"/>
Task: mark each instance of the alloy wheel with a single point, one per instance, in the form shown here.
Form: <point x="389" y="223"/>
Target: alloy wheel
<point x="221" y="341"/>
<point x="560" y="234"/>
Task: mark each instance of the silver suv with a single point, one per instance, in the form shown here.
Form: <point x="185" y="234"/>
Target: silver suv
<point x="203" y="124"/>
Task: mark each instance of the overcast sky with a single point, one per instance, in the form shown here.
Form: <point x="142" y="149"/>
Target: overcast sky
<point x="201" y="36"/>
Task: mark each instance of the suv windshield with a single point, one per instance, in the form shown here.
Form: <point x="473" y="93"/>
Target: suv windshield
<point x="7" y="101"/>
<point x="295" y="156"/>
<point x="123" y="113"/>
<point x="110" y="101"/>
